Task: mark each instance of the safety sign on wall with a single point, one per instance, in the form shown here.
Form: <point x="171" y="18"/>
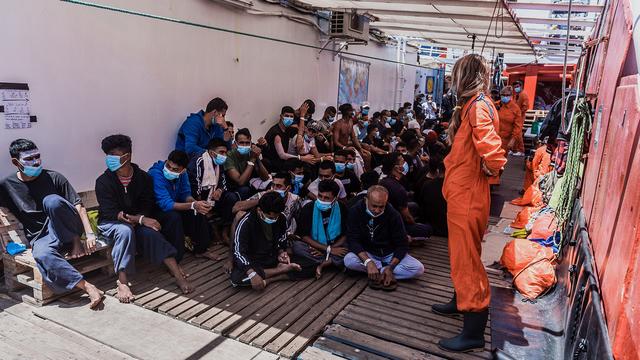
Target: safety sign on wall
<point x="14" y="106"/>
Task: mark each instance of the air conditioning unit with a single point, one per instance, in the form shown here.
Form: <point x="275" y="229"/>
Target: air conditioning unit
<point x="349" y="26"/>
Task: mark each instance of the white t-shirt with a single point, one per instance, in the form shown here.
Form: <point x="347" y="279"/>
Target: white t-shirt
<point x="413" y="124"/>
<point x="313" y="188"/>
<point x="308" y="145"/>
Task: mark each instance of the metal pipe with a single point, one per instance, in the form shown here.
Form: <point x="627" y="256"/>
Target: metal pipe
<point x="564" y="66"/>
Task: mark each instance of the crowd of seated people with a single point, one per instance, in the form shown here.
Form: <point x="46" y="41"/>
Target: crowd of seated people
<point x="353" y="189"/>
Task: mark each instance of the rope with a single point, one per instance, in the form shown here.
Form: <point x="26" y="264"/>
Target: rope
<point x="564" y="66"/>
<point x="489" y="28"/>
<point x="580" y="125"/>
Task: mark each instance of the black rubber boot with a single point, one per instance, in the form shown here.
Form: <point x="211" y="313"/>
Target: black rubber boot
<point x="472" y="336"/>
<point x="448" y="309"/>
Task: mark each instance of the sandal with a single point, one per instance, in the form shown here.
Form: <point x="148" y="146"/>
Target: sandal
<point x="375" y="285"/>
<point x="392" y="286"/>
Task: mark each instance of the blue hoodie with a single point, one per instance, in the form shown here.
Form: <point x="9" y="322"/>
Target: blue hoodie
<point x="168" y="192"/>
<point x="193" y="137"/>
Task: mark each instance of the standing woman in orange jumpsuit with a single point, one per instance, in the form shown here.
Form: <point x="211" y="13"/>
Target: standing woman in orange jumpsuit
<point x="476" y="154"/>
<point x="510" y="116"/>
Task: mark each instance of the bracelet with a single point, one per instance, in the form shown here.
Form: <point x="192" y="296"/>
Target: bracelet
<point x="328" y="252"/>
<point x="251" y="163"/>
<point x="298" y="157"/>
<point x="193" y="207"/>
<point x="250" y="276"/>
<point x="140" y="219"/>
<point x="366" y="262"/>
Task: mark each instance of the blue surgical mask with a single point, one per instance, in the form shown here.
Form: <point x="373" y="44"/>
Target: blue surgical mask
<point x="365" y="111"/>
<point x="350" y="166"/>
<point x="113" y="162"/>
<point x="340" y="167"/>
<point x="372" y="214"/>
<point x="377" y="134"/>
<point x="307" y="138"/>
<point x="268" y="220"/>
<point x="244" y="150"/>
<point x="298" y="178"/>
<point x="405" y="168"/>
<point x="332" y="119"/>
<point x="391" y="121"/>
<point x="517" y="89"/>
<point x="505" y="99"/>
<point x="220" y="159"/>
<point x="282" y="193"/>
<point x="323" y="205"/>
<point x="288" y="121"/>
<point x="31" y="171"/>
<point x="170" y="175"/>
<point x="366" y="124"/>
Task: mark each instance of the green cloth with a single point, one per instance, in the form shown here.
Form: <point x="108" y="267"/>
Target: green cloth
<point x="93" y="220"/>
<point x="236" y="161"/>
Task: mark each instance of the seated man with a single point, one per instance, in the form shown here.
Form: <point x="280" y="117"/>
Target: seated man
<point x="209" y="182"/>
<point x="344" y="172"/>
<point x="53" y="219"/>
<point x="322" y="228"/>
<point x="199" y="128"/>
<point x="296" y="170"/>
<point x="260" y="245"/>
<point x="396" y="168"/>
<point x="178" y="212"/>
<point x="378" y="242"/>
<point x="125" y="198"/>
<point x="327" y="171"/>
<point x="243" y="163"/>
<point x="279" y="136"/>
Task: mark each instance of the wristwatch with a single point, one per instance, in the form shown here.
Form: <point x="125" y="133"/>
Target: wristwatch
<point x="251" y="163"/>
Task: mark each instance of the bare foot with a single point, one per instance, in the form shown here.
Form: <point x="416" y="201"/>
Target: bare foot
<point x="289" y="267"/>
<point x="228" y="266"/>
<point x="96" y="296"/>
<point x="124" y="294"/>
<point x="207" y="255"/>
<point x="182" y="272"/>
<point x="320" y="267"/>
<point x="78" y="250"/>
<point x="184" y="285"/>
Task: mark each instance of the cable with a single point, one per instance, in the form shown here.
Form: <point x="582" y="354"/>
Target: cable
<point x="262" y="37"/>
<point x="489" y="28"/>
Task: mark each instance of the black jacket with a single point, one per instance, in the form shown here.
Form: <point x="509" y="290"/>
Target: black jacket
<point x="251" y="248"/>
<point x="379" y="236"/>
<point x="136" y="199"/>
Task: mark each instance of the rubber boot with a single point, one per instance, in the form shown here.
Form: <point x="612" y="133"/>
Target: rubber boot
<point x="448" y="309"/>
<point x="472" y="336"/>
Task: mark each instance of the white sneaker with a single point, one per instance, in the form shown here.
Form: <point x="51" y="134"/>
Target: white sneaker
<point x="518" y="154"/>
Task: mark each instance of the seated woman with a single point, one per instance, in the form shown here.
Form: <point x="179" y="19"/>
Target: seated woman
<point x="322" y="228"/>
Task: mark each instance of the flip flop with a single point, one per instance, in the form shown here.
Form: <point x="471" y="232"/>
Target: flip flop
<point x="390" y="287"/>
<point x="375" y="285"/>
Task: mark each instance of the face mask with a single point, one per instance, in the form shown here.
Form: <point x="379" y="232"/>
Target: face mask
<point x="377" y="134"/>
<point x="307" y="138"/>
<point x="268" y="220"/>
<point x="505" y="99"/>
<point x="298" y="178"/>
<point x="517" y="89"/>
<point x="220" y="159"/>
<point x="332" y="119"/>
<point x="287" y="121"/>
<point x="350" y="166"/>
<point x="340" y="167"/>
<point x="170" y="175"/>
<point x="391" y="121"/>
<point x="366" y="124"/>
<point x="405" y="169"/>
<point x="372" y="214"/>
<point x="113" y="162"/>
<point x="244" y="150"/>
<point x="365" y="111"/>
<point x="31" y="171"/>
<point x="323" y="205"/>
<point x="282" y="193"/>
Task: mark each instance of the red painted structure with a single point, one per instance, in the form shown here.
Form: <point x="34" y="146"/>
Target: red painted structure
<point x="533" y="74"/>
<point x="611" y="183"/>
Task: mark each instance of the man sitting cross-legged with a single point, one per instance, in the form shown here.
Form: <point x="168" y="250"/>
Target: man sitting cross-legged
<point x="125" y="197"/>
<point x="322" y="228"/>
<point x="53" y="218"/>
<point x="260" y="245"/>
<point x="378" y="242"/>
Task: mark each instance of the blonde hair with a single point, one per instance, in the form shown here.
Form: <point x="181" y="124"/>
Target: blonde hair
<point x="469" y="77"/>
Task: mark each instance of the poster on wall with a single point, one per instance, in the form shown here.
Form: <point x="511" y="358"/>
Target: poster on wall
<point x="14" y="106"/>
<point x="430" y="85"/>
<point x="353" y="82"/>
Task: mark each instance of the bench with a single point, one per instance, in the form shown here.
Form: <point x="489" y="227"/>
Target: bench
<point x="22" y="278"/>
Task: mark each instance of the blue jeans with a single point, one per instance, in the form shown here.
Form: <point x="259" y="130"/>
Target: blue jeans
<point x="408" y="268"/>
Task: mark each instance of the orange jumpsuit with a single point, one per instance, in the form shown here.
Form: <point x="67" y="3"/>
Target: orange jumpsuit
<point x="510" y="125"/>
<point x="466" y="190"/>
<point x="540" y="165"/>
<point x="522" y="99"/>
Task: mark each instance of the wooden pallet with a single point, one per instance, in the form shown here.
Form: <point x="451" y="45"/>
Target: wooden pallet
<point x="24" y="281"/>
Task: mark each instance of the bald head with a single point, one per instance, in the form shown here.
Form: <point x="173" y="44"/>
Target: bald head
<point x="377" y="197"/>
